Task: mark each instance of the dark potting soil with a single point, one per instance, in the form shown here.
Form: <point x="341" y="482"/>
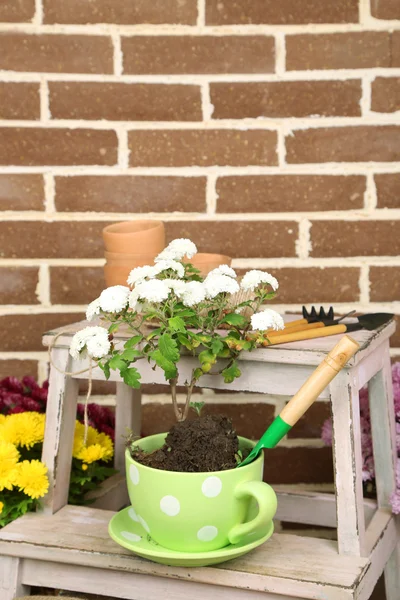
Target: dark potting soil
<point x="208" y="443"/>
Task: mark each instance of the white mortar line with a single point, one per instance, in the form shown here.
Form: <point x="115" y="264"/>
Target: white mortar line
<point x="206" y="106"/>
<point x="23" y="355"/>
<point x="43" y="371"/>
<point x="301" y="442"/>
<point x="297" y="217"/>
<point x="201" y="15"/>
<point x="45" y="114"/>
<point x="371" y="196"/>
<point x="118" y="56"/>
<point x="395" y="352"/>
<point x="43" y="287"/>
<point x="37" y="18"/>
<point x="123" y="149"/>
<point x="49" y="194"/>
<point x="365" y="100"/>
<point x="281" y="148"/>
<point x="364" y="12"/>
<point x="280" y="54"/>
<point x="303" y="244"/>
<point x="211" y="195"/>
<point x="102" y="29"/>
<point x="364" y="284"/>
<point x="185" y="78"/>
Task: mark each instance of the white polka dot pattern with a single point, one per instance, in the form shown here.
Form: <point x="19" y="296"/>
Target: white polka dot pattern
<point x="143" y="523"/>
<point x="132" y="537"/>
<point x="207" y="533"/>
<point x="170" y="506"/>
<point x="211" y="487"/>
<point x="133" y="515"/>
<point x="134" y="474"/>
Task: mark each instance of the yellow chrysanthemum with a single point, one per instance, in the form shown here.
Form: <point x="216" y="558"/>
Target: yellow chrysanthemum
<point x="1" y="507"/>
<point x="2" y="418"/>
<point x="9" y="456"/>
<point x="92" y="453"/>
<point x="107" y="444"/>
<point x="23" y="429"/>
<point x="32" y="478"/>
<point x="84" y="467"/>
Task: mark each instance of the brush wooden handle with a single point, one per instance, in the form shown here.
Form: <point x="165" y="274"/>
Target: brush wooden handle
<point x="298" y="327"/>
<point x="308" y="334"/>
<point x="322" y="376"/>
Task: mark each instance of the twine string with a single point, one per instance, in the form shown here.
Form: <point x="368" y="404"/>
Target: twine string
<point x="71" y="374"/>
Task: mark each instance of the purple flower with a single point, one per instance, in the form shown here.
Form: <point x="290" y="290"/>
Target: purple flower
<point x="12" y="384"/>
<point x="395" y="502"/>
<point x="326" y="433"/>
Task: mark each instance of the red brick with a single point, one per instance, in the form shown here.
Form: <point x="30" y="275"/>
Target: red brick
<point x="285" y="99"/>
<point x="298" y="465"/>
<point x="353" y="50"/>
<point x="60" y="239"/>
<point x="23" y="333"/>
<point x="395" y="49"/>
<point x="18" y="285"/>
<point x="75" y="285"/>
<point x="284" y="12"/>
<point x="12" y="11"/>
<point x="130" y="194"/>
<point x="310" y="424"/>
<point x="344" y="144"/>
<point x="155" y="12"/>
<point x="395" y="339"/>
<point x="250" y="419"/>
<point x="385" y="9"/>
<point x="386" y="94"/>
<point x="37" y="147"/>
<point x="388" y="190"/>
<point x="198" y="54"/>
<point x="246" y="239"/>
<point x="19" y="100"/>
<point x="21" y="192"/>
<point x="56" y="53"/>
<point x="287" y="193"/>
<point x="385" y="284"/>
<point x="175" y="148"/>
<point x="18" y="368"/>
<point x="355" y="238"/>
<point x="124" y="101"/>
<point x="317" y="284"/>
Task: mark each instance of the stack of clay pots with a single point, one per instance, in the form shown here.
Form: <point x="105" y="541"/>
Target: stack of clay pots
<point x="130" y="244"/>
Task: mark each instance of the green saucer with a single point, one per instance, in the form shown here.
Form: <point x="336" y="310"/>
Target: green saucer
<point x="131" y="535"/>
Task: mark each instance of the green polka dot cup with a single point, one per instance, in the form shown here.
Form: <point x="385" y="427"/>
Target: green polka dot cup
<point x="199" y="512"/>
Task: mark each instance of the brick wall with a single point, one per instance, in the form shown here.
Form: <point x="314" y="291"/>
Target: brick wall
<point x="265" y="130"/>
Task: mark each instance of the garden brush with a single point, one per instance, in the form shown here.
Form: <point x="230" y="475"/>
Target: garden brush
<point x="306" y="396"/>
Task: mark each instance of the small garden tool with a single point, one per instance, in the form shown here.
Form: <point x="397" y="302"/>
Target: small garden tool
<point x="306" y="396"/>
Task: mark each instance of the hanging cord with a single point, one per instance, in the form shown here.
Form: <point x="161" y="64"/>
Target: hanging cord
<point x="72" y="373"/>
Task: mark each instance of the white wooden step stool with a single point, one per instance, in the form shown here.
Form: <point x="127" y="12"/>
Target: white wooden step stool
<point x="68" y="547"/>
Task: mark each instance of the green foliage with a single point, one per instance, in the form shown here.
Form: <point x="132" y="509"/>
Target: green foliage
<point x="197" y="407"/>
<point x="231" y="373"/>
<point x="168" y="347"/>
<point x="16" y="504"/>
<point x="169" y="368"/>
<point x="84" y="481"/>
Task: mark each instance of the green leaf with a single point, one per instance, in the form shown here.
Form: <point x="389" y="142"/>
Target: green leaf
<point x="230" y="373"/>
<point x="131" y="377"/>
<point x="105" y="368"/>
<point x="168" y="347"/>
<point x="133" y="341"/>
<point x="116" y="362"/>
<point x="234" y="319"/>
<point x="130" y="354"/>
<point x="184" y="341"/>
<point x="217" y="346"/>
<point x="113" y="327"/>
<point x="186" y="312"/>
<point x="154" y="333"/>
<point x="177" y="324"/>
<point x="206" y="357"/>
<point x="170" y="370"/>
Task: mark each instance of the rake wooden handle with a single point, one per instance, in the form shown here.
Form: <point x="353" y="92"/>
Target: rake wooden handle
<point x="308" y="334"/>
<point x="317" y="382"/>
<point x="293" y="328"/>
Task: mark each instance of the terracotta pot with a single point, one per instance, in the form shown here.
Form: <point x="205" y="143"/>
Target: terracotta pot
<point x="135" y="237"/>
<point x="137" y="260"/>
<point x="207" y="262"/>
<point x="117" y="274"/>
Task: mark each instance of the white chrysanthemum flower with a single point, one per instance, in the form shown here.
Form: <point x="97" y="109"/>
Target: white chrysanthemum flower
<point x="177" y="249"/>
<point x="176" y="285"/>
<point x="194" y="293"/>
<point x="93" y="309"/>
<point x="99" y="342"/>
<point x="114" y="299"/>
<point x="139" y="274"/>
<point x="133" y="300"/>
<point x="164" y="265"/>
<point x="154" y="290"/>
<point x="223" y="270"/>
<point x="216" y="284"/>
<point x="252" y="279"/>
<point x="267" y="319"/>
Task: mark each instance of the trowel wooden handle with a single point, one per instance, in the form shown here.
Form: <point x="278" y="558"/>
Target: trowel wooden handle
<point x="322" y="376"/>
<point x="304" y="326"/>
<point x="307" y="334"/>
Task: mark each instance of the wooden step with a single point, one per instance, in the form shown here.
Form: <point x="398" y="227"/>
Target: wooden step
<point x="290" y="565"/>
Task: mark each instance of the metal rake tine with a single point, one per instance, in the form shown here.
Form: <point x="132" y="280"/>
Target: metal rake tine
<point x="330" y="314"/>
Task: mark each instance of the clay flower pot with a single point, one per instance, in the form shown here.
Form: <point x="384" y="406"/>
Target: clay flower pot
<point x="209" y="510"/>
<point x="207" y="262"/>
<point x="136" y="260"/>
<point x="135" y="237"/>
<point x="116" y="273"/>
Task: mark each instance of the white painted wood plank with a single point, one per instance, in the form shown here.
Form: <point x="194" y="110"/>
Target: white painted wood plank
<point x="59" y="433"/>
<point x="134" y="586"/>
<point x="347" y="461"/>
<point x="11" y="584"/>
<point x="111" y="494"/>
<point x="392" y="570"/>
<point x="128" y="419"/>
